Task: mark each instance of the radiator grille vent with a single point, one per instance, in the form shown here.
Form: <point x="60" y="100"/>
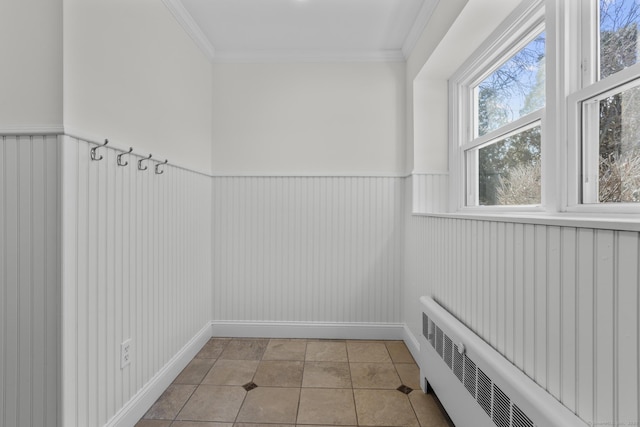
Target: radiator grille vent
<point x="484" y="392"/>
<point x="495" y="402"/>
<point x="501" y="407"/>
<point x="458" y="363"/>
<point x="447" y="351"/>
<point x="470" y="378"/>
<point x="520" y="419"/>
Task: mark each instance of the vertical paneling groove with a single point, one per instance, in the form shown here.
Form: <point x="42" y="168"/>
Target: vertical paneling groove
<point x="136" y="265"/>
<point x="627" y="328"/>
<point x="29" y="283"/>
<point x="571" y="319"/>
<point x="604" y="324"/>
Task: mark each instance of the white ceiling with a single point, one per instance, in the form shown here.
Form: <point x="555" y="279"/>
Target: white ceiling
<point x="236" y="30"/>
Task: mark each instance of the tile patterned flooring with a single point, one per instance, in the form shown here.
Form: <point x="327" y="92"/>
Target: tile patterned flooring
<point x="293" y="382"/>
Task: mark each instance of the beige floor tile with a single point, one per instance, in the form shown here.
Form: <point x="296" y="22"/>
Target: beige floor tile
<point x="326" y="375"/>
<point x="199" y="424"/>
<point x="262" y="425"/>
<point x="285" y="350"/>
<point x="374" y="375"/>
<point x="245" y="349"/>
<point x="326" y="406"/>
<point x="213" y="348"/>
<point x="366" y="351"/>
<point x="326" y="351"/>
<point x="409" y="374"/>
<point x="195" y="371"/>
<point x="384" y="408"/>
<point x="231" y="372"/>
<point x="153" y="423"/>
<point x="399" y="352"/>
<point x="427" y="410"/>
<point x="270" y="405"/>
<point x="170" y="403"/>
<point x="213" y="403"/>
<point x="279" y="373"/>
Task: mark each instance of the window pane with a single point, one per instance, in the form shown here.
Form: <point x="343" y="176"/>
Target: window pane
<point x="619" y="21"/>
<point x="619" y="147"/>
<point x="509" y="170"/>
<point x="513" y="90"/>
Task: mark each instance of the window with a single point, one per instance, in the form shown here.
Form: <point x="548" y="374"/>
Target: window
<point x="607" y="108"/>
<point x="501" y="104"/>
<point x="503" y="163"/>
<point x="549" y="118"/>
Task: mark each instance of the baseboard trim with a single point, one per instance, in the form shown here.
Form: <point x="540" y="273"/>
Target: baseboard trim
<point x="371" y="331"/>
<point x="411" y="342"/>
<point x="140" y="403"/>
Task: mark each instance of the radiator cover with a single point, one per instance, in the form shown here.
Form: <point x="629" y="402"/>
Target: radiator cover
<point x="477" y="386"/>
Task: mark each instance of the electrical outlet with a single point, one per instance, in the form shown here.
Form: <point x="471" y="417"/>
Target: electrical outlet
<point x="125" y="353"/>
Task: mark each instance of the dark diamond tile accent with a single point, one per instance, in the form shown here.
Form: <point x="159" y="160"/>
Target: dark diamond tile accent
<point x="250" y="386"/>
<point x="404" y="389"/>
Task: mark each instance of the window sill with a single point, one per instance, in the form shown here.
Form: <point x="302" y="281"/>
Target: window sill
<point x="622" y="222"/>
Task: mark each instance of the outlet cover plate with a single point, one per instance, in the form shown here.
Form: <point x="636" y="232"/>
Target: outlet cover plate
<point x="125" y="353"/>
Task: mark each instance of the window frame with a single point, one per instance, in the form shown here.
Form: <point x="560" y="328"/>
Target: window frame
<point x="519" y="29"/>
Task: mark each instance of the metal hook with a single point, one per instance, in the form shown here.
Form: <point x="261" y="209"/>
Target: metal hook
<point x="122" y="154"/>
<point x="160" y="164"/>
<point x="140" y="163"/>
<point x="93" y="150"/>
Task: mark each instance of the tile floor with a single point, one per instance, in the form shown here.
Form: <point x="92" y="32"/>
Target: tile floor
<point x="280" y="382"/>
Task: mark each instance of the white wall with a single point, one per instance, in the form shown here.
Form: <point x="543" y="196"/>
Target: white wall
<point x="29" y="281"/>
<point x="31" y="74"/>
<point x="136" y="265"/>
<point x="133" y="75"/>
<point x="308" y="118"/>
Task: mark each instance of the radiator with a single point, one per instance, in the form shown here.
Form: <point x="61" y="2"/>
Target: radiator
<point x="476" y="385"/>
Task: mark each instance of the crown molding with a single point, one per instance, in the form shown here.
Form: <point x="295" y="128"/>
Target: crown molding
<point x="423" y="17"/>
<point x="281" y="55"/>
<point x="186" y="21"/>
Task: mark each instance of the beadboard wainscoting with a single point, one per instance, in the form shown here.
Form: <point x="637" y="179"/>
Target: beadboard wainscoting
<point x="559" y="302"/>
<point x="430" y="192"/>
<point x="308" y="249"/>
<point x="136" y="265"/>
<point x="29" y="281"/>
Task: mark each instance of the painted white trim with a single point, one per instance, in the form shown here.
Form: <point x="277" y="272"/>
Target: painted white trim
<point x="140" y="403"/>
<point x="291" y="55"/>
<point x="326" y="330"/>
<point x="620" y="222"/>
<point x="32" y="130"/>
<point x="412" y="343"/>
<point x="309" y="175"/>
<point x="423" y="17"/>
<point x="428" y="174"/>
<point x="187" y="22"/>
